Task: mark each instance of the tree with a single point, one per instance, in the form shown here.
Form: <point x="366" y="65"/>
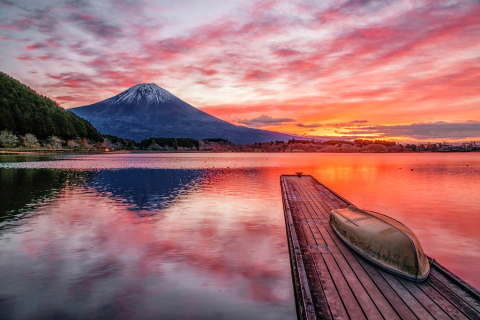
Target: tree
<point x="30" y="141"/>
<point x="84" y="143"/>
<point x="8" y="139"/>
<point x="72" y="144"/>
<point x="54" y="142"/>
<point x="376" y="148"/>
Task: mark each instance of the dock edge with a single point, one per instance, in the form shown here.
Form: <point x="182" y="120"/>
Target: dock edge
<point x="304" y="303"/>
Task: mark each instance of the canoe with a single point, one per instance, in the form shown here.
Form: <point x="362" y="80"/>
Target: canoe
<point x="382" y="240"/>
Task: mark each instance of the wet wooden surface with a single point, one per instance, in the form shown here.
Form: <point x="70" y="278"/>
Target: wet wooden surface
<point x="332" y="282"/>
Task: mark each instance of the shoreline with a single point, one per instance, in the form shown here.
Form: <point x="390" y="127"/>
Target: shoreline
<point x="55" y="152"/>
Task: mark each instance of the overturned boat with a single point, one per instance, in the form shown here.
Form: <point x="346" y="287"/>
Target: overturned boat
<point x="382" y="240"/>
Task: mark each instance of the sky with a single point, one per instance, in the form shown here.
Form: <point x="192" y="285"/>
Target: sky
<point x="403" y="70"/>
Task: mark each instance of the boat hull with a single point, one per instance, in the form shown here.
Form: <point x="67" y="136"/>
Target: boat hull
<point x="382" y="240"/>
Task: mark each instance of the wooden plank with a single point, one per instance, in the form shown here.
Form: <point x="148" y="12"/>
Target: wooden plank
<point x="332" y="295"/>
<point x="463" y="289"/>
<point x="458" y="302"/>
<point x="354" y="267"/>
<point x="424" y="300"/>
<point x="332" y="203"/>
<point x="384" y="295"/>
<point x="446" y="306"/>
<point x="339" y="265"/>
<point x="306" y="309"/>
<point x="326" y="310"/>
<point x="416" y="307"/>
<point x="358" y="286"/>
<point x="328" y="203"/>
<point x="322" y="308"/>
<point x="437" y="312"/>
<point x="376" y="304"/>
<point x="329" y="294"/>
<point x="392" y="296"/>
<point x="343" y="285"/>
<point x="339" y="307"/>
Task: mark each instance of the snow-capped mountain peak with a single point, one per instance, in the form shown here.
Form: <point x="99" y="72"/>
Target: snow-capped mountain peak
<point x="145" y="91"/>
<point x="146" y="110"/>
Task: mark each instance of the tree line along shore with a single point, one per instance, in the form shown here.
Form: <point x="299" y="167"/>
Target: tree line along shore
<point x="11" y="143"/>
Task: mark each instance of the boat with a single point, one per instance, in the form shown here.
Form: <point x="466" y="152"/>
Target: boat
<point x="382" y="240"/>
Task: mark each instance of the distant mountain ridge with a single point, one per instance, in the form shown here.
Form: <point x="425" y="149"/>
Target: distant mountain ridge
<point x="147" y="110"/>
<point x="23" y="111"/>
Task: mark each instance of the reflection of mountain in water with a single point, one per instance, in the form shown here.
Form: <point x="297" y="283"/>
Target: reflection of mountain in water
<point x="145" y="189"/>
<point x="22" y="190"/>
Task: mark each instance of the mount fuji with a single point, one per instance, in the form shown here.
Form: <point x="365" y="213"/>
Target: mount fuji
<point x="146" y="110"/>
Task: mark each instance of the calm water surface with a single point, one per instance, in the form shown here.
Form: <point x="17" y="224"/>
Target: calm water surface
<point x="202" y="236"/>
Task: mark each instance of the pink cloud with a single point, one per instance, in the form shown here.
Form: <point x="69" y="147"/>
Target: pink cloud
<point x="47" y="57"/>
<point x="70" y="79"/>
<point x="25" y="57"/>
<point x="10" y="27"/>
<point x="257" y="75"/>
<point x="205" y="71"/>
<point x="97" y="26"/>
<point x="284" y="52"/>
<point x="85" y="17"/>
<point x="36" y="46"/>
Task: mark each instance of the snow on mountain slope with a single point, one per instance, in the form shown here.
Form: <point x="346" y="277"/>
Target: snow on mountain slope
<point x="149" y="91"/>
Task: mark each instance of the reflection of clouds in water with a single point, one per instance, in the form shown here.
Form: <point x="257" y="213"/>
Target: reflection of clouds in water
<point x="216" y="252"/>
<point x="145" y="189"/>
<point x="23" y="190"/>
<point x="221" y="245"/>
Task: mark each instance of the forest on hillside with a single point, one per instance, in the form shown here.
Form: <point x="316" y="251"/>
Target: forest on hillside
<point x="23" y="111"/>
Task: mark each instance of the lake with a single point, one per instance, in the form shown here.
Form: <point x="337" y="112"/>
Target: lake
<point x="202" y="235"/>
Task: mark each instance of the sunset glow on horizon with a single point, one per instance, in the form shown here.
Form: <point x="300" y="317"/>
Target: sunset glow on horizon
<point x="402" y="70"/>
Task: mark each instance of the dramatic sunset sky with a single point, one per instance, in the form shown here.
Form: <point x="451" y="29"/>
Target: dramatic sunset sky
<point x="405" y="70"/>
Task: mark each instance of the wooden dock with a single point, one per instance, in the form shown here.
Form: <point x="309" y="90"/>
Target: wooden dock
<point x="332" y="282"/>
